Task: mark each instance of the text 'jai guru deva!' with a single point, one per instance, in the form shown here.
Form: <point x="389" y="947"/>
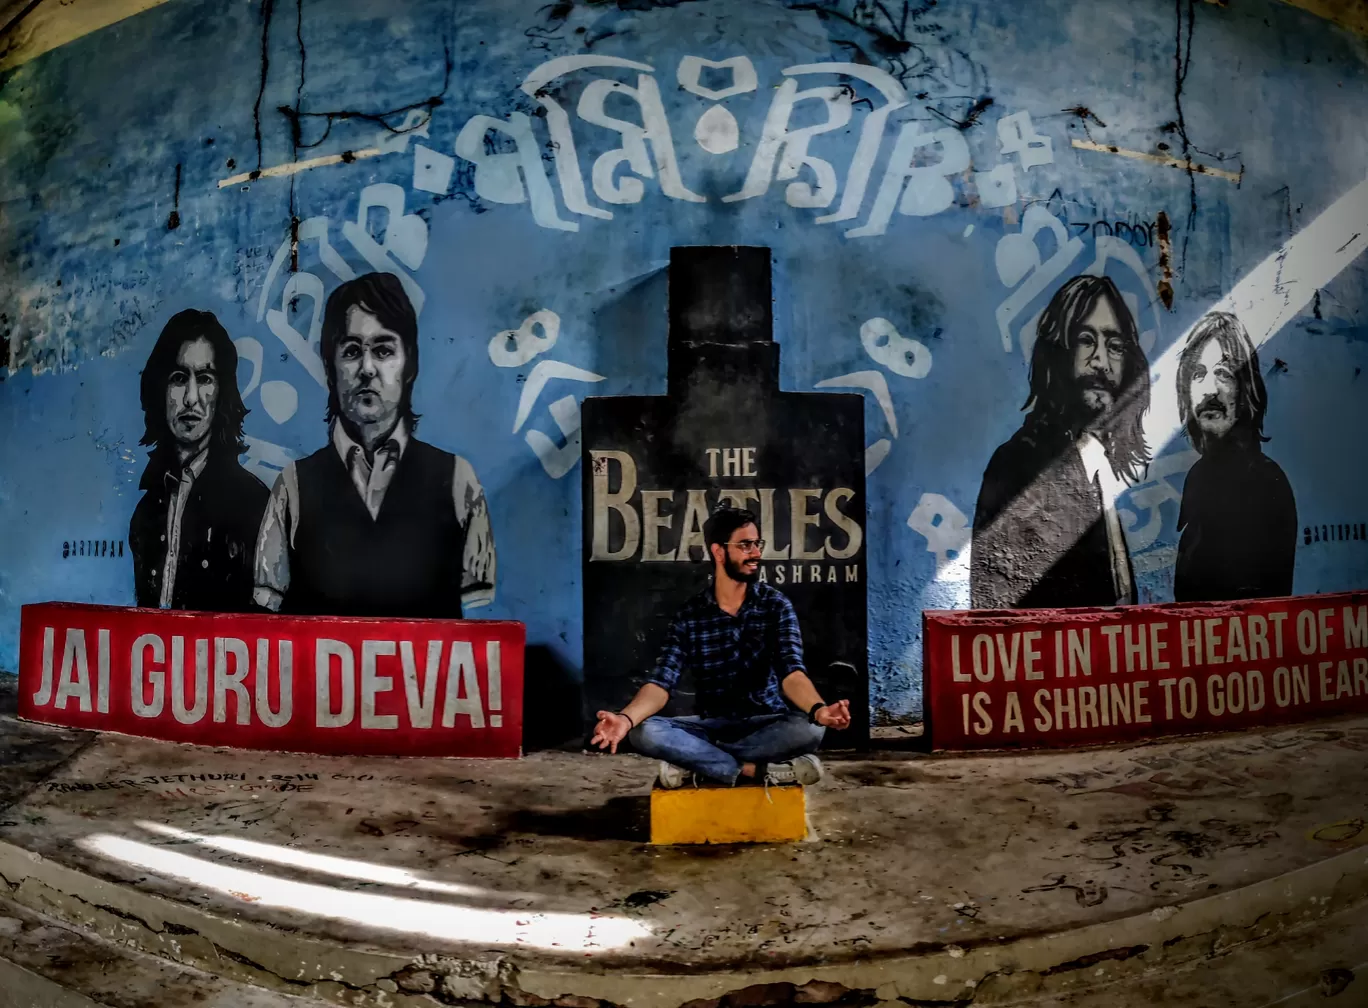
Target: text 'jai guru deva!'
<point x="346" y="692"/>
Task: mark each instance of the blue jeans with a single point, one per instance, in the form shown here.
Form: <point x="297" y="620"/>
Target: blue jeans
<point x="715" y="748"/>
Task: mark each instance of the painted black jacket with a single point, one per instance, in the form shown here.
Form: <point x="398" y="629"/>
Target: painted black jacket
<point x="1040" y="540"/>
<point x="1237" y="527"/>
<point x="218" y="535"/>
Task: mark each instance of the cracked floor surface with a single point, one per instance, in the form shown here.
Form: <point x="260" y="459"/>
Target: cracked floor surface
<point x="46" y="965"/>
<point x="908" y="852"/>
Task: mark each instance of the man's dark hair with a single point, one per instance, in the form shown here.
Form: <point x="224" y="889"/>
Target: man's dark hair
<point x="1054" y="402"/>
<point x="186" y="327"/>
<point x="381" y="295"/>
<point x="723" y="522"/>
<point x="1251" y="399"/>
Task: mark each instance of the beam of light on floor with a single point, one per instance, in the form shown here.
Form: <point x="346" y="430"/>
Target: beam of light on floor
<point x="577" y="933"/>
<point x="327" y="864"/>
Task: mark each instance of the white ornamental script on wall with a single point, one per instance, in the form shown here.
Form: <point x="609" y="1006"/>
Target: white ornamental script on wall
<point x="918" y="178"/>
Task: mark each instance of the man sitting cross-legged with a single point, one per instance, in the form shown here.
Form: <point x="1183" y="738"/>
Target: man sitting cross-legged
<point x="759" y="715"/>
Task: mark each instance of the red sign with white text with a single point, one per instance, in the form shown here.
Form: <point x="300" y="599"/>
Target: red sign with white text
<point x="1045" y="678"/>
<point x="315" y="684"/>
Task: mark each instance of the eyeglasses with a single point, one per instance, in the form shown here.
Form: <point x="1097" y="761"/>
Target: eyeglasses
<point x="749" y="545"/>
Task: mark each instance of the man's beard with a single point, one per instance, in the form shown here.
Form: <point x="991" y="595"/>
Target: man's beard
<point x="1211" y="402"/>
<point x="736" y="573"/>
<point x="1217" y="421"/>
<point x="1097" y="412"/>
<point x="1100" y="383"/>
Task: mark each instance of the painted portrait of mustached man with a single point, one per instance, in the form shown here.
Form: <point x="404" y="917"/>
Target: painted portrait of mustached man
<point x="1046" y="531"/>
<point x="1237" y="524"/>
<point x="194" y="530"/>
<point x="376" y="522"/>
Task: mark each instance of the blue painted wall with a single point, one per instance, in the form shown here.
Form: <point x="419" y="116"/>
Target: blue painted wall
<point x="95" y="135"/>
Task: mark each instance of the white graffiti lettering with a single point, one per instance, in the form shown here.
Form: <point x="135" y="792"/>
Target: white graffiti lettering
<point x="908" y="358"/>
<point x="405" y="237"/>
<point x="947" y="534"/>
<point x="432" y="170"/>
<point x="793" y="144"/>
<point x="875" y="382"/>
<point x="516" y="347"/>
<point x="516" y="177"/>
<point x="782" y="152"/>
<point x="916" y="191"/>
<point x="744" y="78"/>
<point x="1017" y="135"/>
<point x="558" y="123"/>
<point x="885" y="345"/>
<point x="655" y="131"/>
<point x="1019" y="265"/>
<point x="1151" y="496"/>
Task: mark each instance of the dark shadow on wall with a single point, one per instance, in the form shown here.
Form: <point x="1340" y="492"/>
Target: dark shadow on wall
<point x="551" y="702"/>
<point x="631" y="332"/>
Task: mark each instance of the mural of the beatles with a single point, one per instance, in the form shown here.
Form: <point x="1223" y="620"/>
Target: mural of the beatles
<point x="1237" y="523"/>
<point x="1046" y="531"/>
<point x="194" y="530"/>
<point x="376" y="522"/>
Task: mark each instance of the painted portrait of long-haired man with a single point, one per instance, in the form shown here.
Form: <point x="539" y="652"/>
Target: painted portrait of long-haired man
<point x="193" y="533"/>
<point x="1046" y="531"/>
<point x="1237" y="524"/>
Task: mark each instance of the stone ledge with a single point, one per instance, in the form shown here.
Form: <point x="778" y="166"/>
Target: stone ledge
<point x="46" y="964"/>
<point x="1058" y="962"/>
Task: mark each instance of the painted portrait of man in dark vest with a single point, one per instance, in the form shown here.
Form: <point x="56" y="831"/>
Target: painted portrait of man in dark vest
<point x="376" y="522"/>
<point x="194" y="529"/>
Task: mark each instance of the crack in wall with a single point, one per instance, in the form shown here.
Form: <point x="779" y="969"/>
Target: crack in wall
<point x="173" y="220"/>
<point x="1185" y="12"/>
<point x="295" y="115"/>
<point x="267" y="7"/>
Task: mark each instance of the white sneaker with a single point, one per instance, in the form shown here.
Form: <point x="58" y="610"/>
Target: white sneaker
<point x="671" y="776"/>
<point x="799" y="770"/>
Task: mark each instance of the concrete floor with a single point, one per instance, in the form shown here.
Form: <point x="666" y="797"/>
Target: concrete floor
<point x="46" y="965"/>
<point x="930" y="879"/>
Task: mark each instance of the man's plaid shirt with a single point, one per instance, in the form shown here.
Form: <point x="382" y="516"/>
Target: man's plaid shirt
<point x="737" y="661"/>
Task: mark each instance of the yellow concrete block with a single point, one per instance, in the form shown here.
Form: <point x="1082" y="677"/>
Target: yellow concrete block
<point x="716" y="815"/>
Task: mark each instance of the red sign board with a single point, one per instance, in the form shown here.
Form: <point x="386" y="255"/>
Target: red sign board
<point x="1045" y="678"/>
<point x="331" y="685"/>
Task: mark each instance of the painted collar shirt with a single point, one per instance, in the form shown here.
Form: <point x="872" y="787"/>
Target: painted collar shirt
<point x="736" y="662"/>
<point x="1099" y="470"/>
<point x="372" y="479"/>
<point x="175" y="512"/>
